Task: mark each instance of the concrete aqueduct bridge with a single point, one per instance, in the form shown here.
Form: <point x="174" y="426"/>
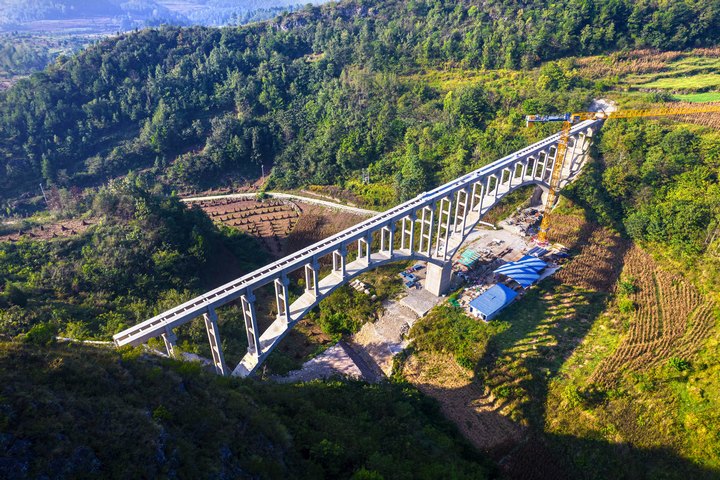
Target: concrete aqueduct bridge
<point x="430" y="227"/>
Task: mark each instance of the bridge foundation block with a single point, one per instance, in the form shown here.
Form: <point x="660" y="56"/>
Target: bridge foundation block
<point x="438" y="278"/>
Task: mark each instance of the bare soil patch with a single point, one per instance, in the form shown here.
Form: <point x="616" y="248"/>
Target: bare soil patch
<point x="597" y="253"/>
<point x="471" y="406"/>
<point x="316" y="223"/>
<point x="271" y="220"/>
<point x="62" y="229"/>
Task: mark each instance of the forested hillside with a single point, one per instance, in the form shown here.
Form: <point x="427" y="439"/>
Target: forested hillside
<point x="134" y="253"/>
<point x="197" y="104"/>
<point x="69" y="411"/>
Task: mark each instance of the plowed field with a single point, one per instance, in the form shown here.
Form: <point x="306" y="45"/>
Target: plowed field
<point x="671" y="319"/>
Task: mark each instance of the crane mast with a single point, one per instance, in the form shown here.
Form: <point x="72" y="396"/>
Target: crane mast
<point x="569" y="119"/>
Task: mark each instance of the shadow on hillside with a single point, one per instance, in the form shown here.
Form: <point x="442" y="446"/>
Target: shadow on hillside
<point x="566" y="457"/>
<point x="546" y="327"/>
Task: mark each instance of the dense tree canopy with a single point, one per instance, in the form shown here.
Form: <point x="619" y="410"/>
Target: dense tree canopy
<point x="319" y="93"/>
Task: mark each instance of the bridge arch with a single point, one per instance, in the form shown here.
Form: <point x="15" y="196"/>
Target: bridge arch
<point x="431" y="227"/>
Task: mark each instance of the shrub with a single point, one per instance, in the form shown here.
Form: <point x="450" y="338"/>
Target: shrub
<point x="679" y="364"/>
<point x="448" y="329"/>
<point x="627" y="286"/>
<point x="14" y="295"/>
<point x="42" y="334"/>
<point x="76" y="330"/>
<point x="161" y="414"/>
<point x="626" y="305"/>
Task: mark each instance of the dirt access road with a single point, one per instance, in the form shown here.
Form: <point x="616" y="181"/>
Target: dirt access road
<point x="286" y="196"/>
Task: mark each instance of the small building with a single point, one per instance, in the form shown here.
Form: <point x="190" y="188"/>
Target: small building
<point x="525" y="271"/>
<point x="490" y="303"/>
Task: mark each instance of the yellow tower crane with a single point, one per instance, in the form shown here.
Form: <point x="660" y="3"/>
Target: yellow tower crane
<point x="569" y="119"/>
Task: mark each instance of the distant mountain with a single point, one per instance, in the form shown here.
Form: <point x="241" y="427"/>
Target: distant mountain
<point x="19" y="11"/>
<point x="123" y="15"/>
<point x="232" y="12"/>
<point x="100" y="16"/>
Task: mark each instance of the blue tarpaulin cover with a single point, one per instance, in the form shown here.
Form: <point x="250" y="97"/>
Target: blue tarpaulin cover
<point x="525" y="271"/>
<point x="493" y="300"/>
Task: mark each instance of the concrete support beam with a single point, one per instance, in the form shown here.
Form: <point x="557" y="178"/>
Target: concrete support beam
<point x="311" y="277"/>
<point x="211" y="325"/>
<point x="444" y="227"/>
<point x="426" y="230"/>
<point x="364" y="249"/>
<point x="461" y="211"/>
<point x="340" y="261"/>
<point x="547" y="173"/>
<point x="519" y="170"/>
<point x="407" y="236"/>
<point x="530" y="168"/>
<point x="476" y="197"/>
<point x="540" y="165"/>
<point x="387" y="240"/>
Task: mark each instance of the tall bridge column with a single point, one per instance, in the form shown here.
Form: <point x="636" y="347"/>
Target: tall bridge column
<point x="437" y="280"/>
<point x="340" y="260"/>
<point x="251" y="328"/>
<point x="478" y="192"/>
<point x="518" y="171"/>
<point x="426" y="230"/>
<point x="282" y="297"/>
<point x="364" y="245"/>
<point x="540" y="165"/>
<point x="387" y="239"/>
<point x="170" y="341"/>
<point x="444" y="227"/>
<point x="525" y="166"/>
<point x="529" y="168"/>
<point x="312" y="270"/>
<point x="211" y="325"/>
<point x="407" y="236"/>
<point x="463" y="198"/>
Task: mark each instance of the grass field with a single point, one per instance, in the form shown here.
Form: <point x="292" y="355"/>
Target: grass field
<point x="651" y="369"/>
<point x="699" y="97"/>
<point x="454" y="79"/>
<point x="690" y="82"/>
<point x="687" y="73"/>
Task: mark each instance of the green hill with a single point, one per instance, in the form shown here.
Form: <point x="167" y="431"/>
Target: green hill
<point x="69" y="411"/>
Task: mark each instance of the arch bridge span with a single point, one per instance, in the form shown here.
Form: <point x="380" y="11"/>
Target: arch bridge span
<point x="431" y="227"/>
